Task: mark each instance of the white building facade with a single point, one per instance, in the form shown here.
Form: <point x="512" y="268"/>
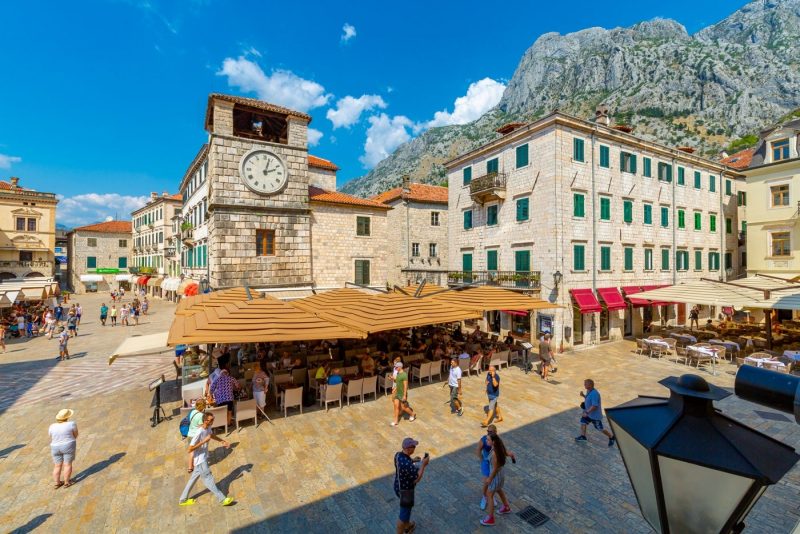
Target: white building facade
<point x="154" y="254"/>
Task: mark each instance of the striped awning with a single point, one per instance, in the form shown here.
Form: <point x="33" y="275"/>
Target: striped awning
<point x="759" y="291"/>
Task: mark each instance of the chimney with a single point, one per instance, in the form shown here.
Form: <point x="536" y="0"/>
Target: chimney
<point x="153" y="195"/>
<point x="14" y="182"/>
<point x="406" y="184"/>
<point x="601" y="115"/>
<point x="164" y="194"/>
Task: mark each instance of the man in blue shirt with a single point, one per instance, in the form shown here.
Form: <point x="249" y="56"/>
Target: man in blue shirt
<point x="335" y="378"/>
<point x="493" y="392"/>
<point x="592" y="413"/>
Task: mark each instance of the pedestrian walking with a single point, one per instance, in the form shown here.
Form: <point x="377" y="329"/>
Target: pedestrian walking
<point x="135" y="313"/>
<point x="123" y="315"/>
<point x="400" y="395"/>
<point x="103" y="313"/>
<point x="78" y="312"/>
<point x="454" y="381"/>
<point x="59" y="313"/>
<point x="63" y="442"/>
<point x="408" y="473"/>
<point x="694" y="317"/>
<point x="545" y="355"/>
<point x="493" y="392"/>
<point x="3" y="336"/>
<point x="592" y="413"/>
<point x="145" y="306"/>
<point x="72" y="324"/>
<point x="113" y="314"/>
<point x="199" y="449"/>
<point x="63" y="339"/>
<point x="496" y="480"/>
<point x="195" y="424"/>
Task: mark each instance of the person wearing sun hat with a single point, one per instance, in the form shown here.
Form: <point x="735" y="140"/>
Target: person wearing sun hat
<point x="63" y="441"/>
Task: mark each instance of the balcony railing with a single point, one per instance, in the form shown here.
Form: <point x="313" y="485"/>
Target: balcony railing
<point x="491" y="186"/>
<point x="506" y="279"/>
<point x="169" y="252"/>
<point x="27" y="264"/>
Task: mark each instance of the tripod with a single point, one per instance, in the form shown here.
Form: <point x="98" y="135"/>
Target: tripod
<point x="158" y="411"/>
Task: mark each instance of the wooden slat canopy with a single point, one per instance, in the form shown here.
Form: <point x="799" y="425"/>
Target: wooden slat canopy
<point x="485" y="298"/>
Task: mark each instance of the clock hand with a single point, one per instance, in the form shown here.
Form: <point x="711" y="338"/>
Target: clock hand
<point x="266" y="171"/>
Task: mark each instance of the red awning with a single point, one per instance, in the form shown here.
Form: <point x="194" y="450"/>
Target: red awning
<point x="191" y="290"/>
<point x="586" y="300"/>
<point x="630" y="290"/>
<point x="515" y="312"/>
<point x="612" y="298"/>
<point x="143" y="280"/>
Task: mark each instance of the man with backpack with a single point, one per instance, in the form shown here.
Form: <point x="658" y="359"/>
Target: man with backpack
<point x="191" y="424"/>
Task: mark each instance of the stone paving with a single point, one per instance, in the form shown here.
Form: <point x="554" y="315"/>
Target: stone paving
<point x="332" y="471"/>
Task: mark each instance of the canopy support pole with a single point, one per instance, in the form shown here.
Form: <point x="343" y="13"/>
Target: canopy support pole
<point x="768" y="324"/>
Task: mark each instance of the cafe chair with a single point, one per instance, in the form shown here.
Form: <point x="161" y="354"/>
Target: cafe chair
<point x="354" y="388"/>
<point x="292" y="398"/>
<point x="464" y="364"/>
<point x="245" y="410"/>
<point x="370" y="387"/>
<point x="312" y="381"/>
<point x="331" y="394"/>
<point x="386" y="383"/>
<point x="220" y="414"/>
<point x="436" y="369"/>
<point x="423" y="371"/>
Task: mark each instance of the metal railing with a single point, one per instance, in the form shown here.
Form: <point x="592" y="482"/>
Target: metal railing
<point x="14" y="264"/>
<point x="505" y="279"/>
<point x="487" y="182"/>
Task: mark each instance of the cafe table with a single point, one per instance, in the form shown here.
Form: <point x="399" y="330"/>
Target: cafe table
<point x="707" y="351"/>
<point x="760" y="362"/>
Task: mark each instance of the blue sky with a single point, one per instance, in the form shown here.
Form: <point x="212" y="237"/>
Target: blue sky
<point x="103" y="101"/>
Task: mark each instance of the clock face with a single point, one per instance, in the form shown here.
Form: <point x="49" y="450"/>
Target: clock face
<point x="263" y="171"/>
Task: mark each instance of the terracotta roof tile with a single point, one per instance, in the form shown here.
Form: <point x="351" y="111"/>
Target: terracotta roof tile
<point x="314" y="161"/>
<point x="317" y="194"/>
<point x="176" y="196"/>
<point x="420" y="192"/>
<point x="110" y="227"/>
<point x="740" y="160"/>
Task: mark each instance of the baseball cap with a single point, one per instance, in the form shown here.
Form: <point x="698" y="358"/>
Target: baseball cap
<point x="409" y="442"/>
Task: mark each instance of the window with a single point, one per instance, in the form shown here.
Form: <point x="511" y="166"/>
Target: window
<point x="664" y="217"/>
<point x="728" y="260"/>
<point x="160" y="237"/>
<point x="122" y="262"/>
<point x="780" y="244"/>
<point x="492" y="166"/>
<point x="605" y="209"/>
<point x="578" y="205"/>
<point x="91" y="241"/>
<point x="741" y="198"/>
<point x="522" y="208"/>
<point x="123" y="243"/>
<point x="265" y="242"/>
<point x="665" y="172"/>
<point x="466" y="263"/>
<point x="712" y="183"/>
<point x="744" y="227"/>
<point x="712" y="222"/>
<point x="728" y="225"/>
<point x="713" y="261"/>
<point x="25" y="255"/>
<point x="491" y="215"/>
<point x="780" y="150"/>
<point x="467" y="175"/>
<point x="432" y="250"/>
<point x="698" y="260"/>
<point x="697" y="180"/>
<point x="627" y="211"/>
<point x="434" y="218"/>
<point x="648" y="214"/>
<point x="415" y="250"/>
<point x="578" y="260"/>
<point x="682" y="260"/>
<point x="91" y="262"/>
<point x="467" y="219"/>
<point x="780" y="195"/>
<point x="665" y="259"/>
<point x="627" y="162"/>
<point x="728" y="186"/>
<point x="522" y="156"/>
<point x="491" y="260"/>
<point x="647" y="171"/>
<point x="681" y="219"/>
<point x="605" y="158"/>
<point x="362" y="226"/>
<point x="362" y="272"/>
<point x="20" y="224"/>
<point x="648" y="259"/>
<point x="681" y="176"/>
<point x="628" y="258"/>
<point x="698" y="221"/>
<point x="522" y="261"/>
<point x="605" y="258"/>
<point x="577" y="149"/>
<point x="31" y="225"/>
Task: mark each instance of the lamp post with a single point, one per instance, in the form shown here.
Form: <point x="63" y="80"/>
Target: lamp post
<point x="557" y="277"/>
<point x="204" y="287"/>
<point x="692" y="468"/>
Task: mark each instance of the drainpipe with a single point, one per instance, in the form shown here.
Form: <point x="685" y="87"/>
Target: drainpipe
<point x="723" y="228"/>
<point x="594" y="220"/>
<point x="674" y="251"/>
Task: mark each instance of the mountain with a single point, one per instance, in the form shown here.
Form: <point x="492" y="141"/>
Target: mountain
<point x="703" y="90"/>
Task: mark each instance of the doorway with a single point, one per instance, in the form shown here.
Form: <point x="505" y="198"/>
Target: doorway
<point x="604" y="325"/>
<point x="628" y="321"/>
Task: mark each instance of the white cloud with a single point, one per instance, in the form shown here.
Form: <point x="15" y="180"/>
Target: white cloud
<point x="7" y="161"/>
<point x="93" y="207"/>
<point x="281" y="87"/>
<point x="348" y="109"/>
<point x="252" y="51"/>
<point x="314" y="137"/>
<point x="348" y="32"/>
<point x="383" y="136"/>
<point x="481" y="96"/>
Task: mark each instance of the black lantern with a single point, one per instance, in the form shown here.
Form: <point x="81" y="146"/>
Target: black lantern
<point x="692" y="468"/>
<point x="204" y="286"/>
<point x="557" y="277"/>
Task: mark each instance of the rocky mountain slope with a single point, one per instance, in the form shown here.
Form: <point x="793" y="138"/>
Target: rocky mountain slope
<point x="702" y="90"/>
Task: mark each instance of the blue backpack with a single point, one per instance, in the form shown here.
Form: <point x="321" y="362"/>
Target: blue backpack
<point x="185" y="422"/>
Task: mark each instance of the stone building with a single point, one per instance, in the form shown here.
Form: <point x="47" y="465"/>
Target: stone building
<point x="153" y="232"/>
<point x="417" y="247"/>
<point x="27" y="231"/>
<point x="586" y="214"/>
<point x="98" y="256"/>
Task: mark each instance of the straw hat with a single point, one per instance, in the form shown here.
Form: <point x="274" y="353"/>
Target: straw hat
<point x="64" y="415"/>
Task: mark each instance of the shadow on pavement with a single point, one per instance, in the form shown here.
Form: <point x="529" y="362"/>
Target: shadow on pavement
<point x="8" y="450"/>
<point x="224" y="484"/>
<point x="99" y="466"/>
<point x="19" y="377"/>
<point x="31" y="525"/>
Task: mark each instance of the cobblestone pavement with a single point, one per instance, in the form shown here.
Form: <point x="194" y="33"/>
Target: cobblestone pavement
<point x="332" y="471"/>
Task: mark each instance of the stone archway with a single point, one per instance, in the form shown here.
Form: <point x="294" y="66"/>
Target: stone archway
<point x="7" y="276"/>
<point x="34" y="274"/>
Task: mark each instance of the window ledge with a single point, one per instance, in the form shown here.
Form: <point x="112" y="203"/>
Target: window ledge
<point x="779" y="258"/>
<point x="605" y="271"/>
<point x="579" y="272"/>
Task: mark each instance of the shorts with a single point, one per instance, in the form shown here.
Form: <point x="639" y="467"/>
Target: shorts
<point x="63" y="454"/>
<point x="453" y="393"/>
<point x="62" y="348"/>
<point x="597" y="423"/>
<point x="72" y="327"/>
<point x="492" y="404"/>
<point x="405" y="514"/>
<point x="229" y="404"/>
<point x="498" y="481"/>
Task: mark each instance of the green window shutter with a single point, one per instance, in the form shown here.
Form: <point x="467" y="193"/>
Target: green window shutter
<point x="605" y="258"/>
<point x="744" y="227"/>
<point x="522" y="209"/>
<point x="122" y="263"/>
<point x="697" y="179"/>
<point x="577" y="257"/>
<point x="665" y="259"/>
<point x="492" y="166"/>
<point x="467" y="175"/>
<point x="522" y="156"/>
<point x="522" y="261"/>
<point x="728" y="225"/>
<point x="633" y="163"/>
<point x="728" y="188"/>
<point x="627" y="209"/>
<point x="467" y="219"/>
<point x="466" y="262"/>
<point x="681" y="219"/>
<point x="577" y="205"/>
<point x="712" y="183"/>
<point x="605" y="209"/>
<point x="664" y="217"/>
<point x="628" y="258"/>
<point x="577" y="149"/>
<point x="681" y="176"/>
<point x="648" y="214"/>
<point x="698" y="221"/>
<point x="623" y="156"/>
<point x="669" y="173"/>
<point x="91" y="262"/>
<point x="712" y="223"/>
<point x="698" y="260"/>
<point x="491" y="260"/>
<point x="648" y="171"/>
<point x="605" y="158"/>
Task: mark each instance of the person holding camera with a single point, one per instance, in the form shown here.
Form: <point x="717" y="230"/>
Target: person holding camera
<point x="592" y="413"/>
<point x="408" y="472"/>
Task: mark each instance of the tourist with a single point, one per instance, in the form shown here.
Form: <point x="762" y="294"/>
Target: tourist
<point x="123" y="315"/>
<point x="28" y="325"/>
<point x="592" y="413"/>
<point x="199" y="449"/>
<point x="322" y="372"/>
<point x="464" y="354"/>
<point x="484" y="454"/>
<point x="78" y="312"/>
<point x="3" y="336"/>
<point x="367" y="364"/>
<point x="195" y="424"/>
<point x="545" y="355"/>
<point x="63" y="338"/>
<point x="286" y="360"/>
<point x="407" y="474"/>
<point x="135" y="313"/>
<point x="223" y="389"/>
<point x="398" y="366"/>
<point x="694" y="317"/>
<point x="63" y="441"/>
<point x="454" y="381"/>
<point x="335" y="377"/>
<point x="260" y="385"/>
<point x="496" y="479"/>
<point x="113" y="314"/>
<point x="509" y="340"/>
<point x="72" y="324"/>
<point x="493" y="392"/>
<point x="383" y="364"/>
<point x="145" y="306"/>
<point x="21" y="323"/>
<point x="59" y="313"/>
<point x="400" y="395"/>
<point x="103" y="313"/>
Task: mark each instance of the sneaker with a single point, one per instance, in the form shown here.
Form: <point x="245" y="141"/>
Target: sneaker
<point x="461" y="412"/>
<point x="412" y="418"/>
<point x="611" y="441"/>
<point x="483" y="502"/>
<point x="187" y="502"/>
<point x="228" y="501"/>
<point x="504" y="510"/>
<point x="581" y="438"/>
<point x="488" y="521"/>
<point x="392" y="424"/>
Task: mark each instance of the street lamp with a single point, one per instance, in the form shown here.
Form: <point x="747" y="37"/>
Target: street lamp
<point x="557" y="277"/>
<point x="692" y="468"/>
<point x="204" y="286"/>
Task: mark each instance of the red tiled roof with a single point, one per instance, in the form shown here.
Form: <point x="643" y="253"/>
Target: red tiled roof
<point x="317" y="194"/>
<point x="419" y="192"/>
<point x="110" y="227"/>
<point x="314" y="161"/>
<point x="176" y="196"/>
<point x="740" y="160"/>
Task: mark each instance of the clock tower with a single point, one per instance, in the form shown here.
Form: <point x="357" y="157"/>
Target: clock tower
<point x="259" y="222"/>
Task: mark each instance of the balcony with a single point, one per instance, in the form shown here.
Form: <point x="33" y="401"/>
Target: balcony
<point x="742" y="239"/>
<point x="488" y="187"/>
<point x="187" y="235"/>
<point x="505" y="279"/>
<point x="27" y="264"/>
<point x="169" y="252"/>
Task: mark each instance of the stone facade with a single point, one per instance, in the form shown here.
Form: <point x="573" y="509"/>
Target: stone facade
<point x="153" y="232"/>
<point x="411" y="234"/>
<point x="99" y="246"/>
<point x="322" y="178"/>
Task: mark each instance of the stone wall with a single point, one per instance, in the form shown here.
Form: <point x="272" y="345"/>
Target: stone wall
<point x="107" y="253"/>
<point x="414" y="219"/>
<point x="322" y="178"/>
